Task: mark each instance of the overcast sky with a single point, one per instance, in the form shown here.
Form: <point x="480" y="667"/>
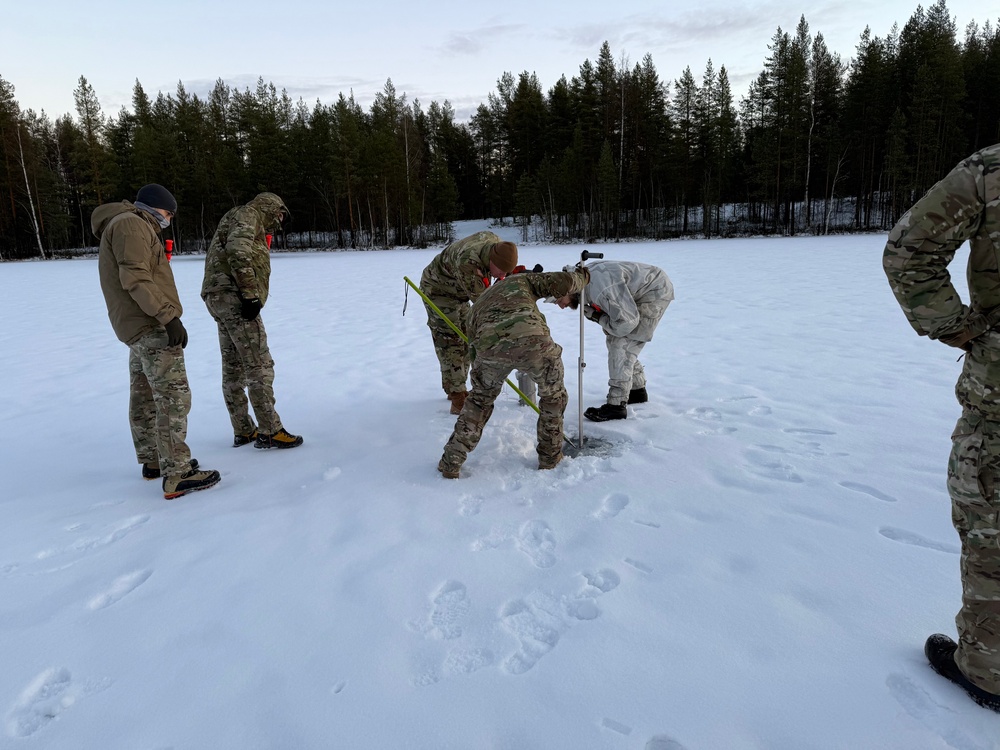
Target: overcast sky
<point x="434" y="50"/>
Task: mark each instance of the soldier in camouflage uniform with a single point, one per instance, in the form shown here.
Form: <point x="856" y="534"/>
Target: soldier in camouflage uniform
<point x="965" y="205"/>
<point x="507" y="331"/>
<point x="145" y="312"/>
<point x="456" y="277"/>
<point x="237" y="277"/>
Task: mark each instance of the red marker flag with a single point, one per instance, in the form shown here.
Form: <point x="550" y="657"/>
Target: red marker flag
<point x="170" y="248"/>
<point x="269" y="237"/>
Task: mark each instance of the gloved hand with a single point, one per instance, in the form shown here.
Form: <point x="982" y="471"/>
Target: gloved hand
<point x="960" y="340"/>
<point x="537" y="269"/>
<point x="976" y="324"/>
<point x="177" y="335"/>
<point x="250" y="308"/>
<point x="593" y="313"/>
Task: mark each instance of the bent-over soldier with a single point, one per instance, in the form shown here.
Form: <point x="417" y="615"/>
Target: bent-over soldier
<point x="508" y="332"/>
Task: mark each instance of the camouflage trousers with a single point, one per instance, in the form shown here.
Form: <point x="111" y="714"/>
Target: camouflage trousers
<point x="247" y="366"/>
<point x="159" y="402"/>
<point x="625" y="371"/>
<point x="542" y="361"/>
<point x="974" y="487"/>
<point x="452" y="353"/>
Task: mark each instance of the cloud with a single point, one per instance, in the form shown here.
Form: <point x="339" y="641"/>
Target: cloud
<point x="483" y="38"/>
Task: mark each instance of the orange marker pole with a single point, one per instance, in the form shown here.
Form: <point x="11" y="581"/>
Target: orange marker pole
<point x="170" y="248"/>
<point x="268" y="237"/>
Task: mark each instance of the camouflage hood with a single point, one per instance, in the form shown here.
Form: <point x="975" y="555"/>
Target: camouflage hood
<point x="238" y="257"/>
<point x="269" y="205"/>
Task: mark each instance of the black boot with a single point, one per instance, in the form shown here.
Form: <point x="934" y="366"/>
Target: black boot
<point x="638" y="396"/>
<point x="240" y="440"/>
<point x="152" y="471"/>
<point x="606" y="412"/>
<point x="940" y="652"/>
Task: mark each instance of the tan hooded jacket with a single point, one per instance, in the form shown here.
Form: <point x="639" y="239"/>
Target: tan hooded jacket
<point x="136" y="279"/>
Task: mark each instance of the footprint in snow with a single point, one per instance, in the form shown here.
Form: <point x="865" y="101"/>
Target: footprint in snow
<point x="769" y="467"/>
<point x="603" y="580"/>
<point x="909" y="537"/>
<point x="611" y="507"/>
<point x="538" y="620"/>
<point x="537" y="631"/>
<point x="535" y="539"/>
<point x="949" y="725"/>
<point x="464" y="661"/>
<point x="469" y="505"/>
<point x="449" y="605"/>
<point x="616" y="726"/>
<point x="117" y="532"/>
<point x="48" y="695"/>
<point x="864" y="489"/>
<point x="662" y="742"/>
<point x="704" y="414"/>
<point x="122" y="586"/>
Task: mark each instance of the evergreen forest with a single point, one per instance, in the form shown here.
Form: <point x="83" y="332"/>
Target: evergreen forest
<point x="817" y="145"/>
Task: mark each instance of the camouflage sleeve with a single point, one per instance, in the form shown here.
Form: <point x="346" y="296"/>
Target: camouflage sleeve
<point x="557" y="283"/>
<point x="132" y="251"/>
<point x="924" y="242"/>
<point x="239" y="250"/>
<point x="472" y="281"/>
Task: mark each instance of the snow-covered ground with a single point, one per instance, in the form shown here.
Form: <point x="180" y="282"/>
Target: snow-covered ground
<point x="757" y="566"/>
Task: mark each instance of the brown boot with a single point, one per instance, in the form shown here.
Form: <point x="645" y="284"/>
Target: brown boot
<point x="457" y="401"/>
<point x="192" y="481"/>
<point x="281" y="439"/>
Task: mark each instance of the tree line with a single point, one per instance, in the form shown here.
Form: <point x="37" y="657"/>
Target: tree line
<point x="817" y="145"/>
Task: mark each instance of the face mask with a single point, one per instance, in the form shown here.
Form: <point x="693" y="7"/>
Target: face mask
<point x="162" y="220"/>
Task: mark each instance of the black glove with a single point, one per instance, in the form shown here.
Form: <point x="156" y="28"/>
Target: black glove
<point x="250" y="308"/>
<point x="176" y="333"/>
<point x="592" y="313"/>
<point x="537" y="269"/>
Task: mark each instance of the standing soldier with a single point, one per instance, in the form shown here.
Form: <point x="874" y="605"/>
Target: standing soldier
<point x="237" y="274"/>
<point x="627" y="300"/>
<point x="507" y="331"/>
<point x="145" y="312"/>
<point x="965" y="205"/>
<point x="455" y="278"/>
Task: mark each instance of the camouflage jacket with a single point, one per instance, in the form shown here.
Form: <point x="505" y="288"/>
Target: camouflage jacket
<point x="626" y="290"/>
<point x="462" y="270"/>
<point x="965" y="205"/>
<point x="507" y="312"/>
<point x="138" y="284"/>
<point x="238" y="258"/>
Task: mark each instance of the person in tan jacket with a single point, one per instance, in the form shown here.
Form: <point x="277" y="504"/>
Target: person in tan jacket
<point x="145" y="313"/>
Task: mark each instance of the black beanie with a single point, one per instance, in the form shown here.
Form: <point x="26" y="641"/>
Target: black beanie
<point x="157" y="196"/>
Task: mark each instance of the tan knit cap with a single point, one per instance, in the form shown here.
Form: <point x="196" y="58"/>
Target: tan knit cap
<point x="504" y="256"/>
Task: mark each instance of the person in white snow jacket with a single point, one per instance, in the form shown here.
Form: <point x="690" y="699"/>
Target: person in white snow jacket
<point x="627" y="300"/>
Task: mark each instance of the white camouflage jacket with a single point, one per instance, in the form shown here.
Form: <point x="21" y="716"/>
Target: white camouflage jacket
<point x="633" y="296"/>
